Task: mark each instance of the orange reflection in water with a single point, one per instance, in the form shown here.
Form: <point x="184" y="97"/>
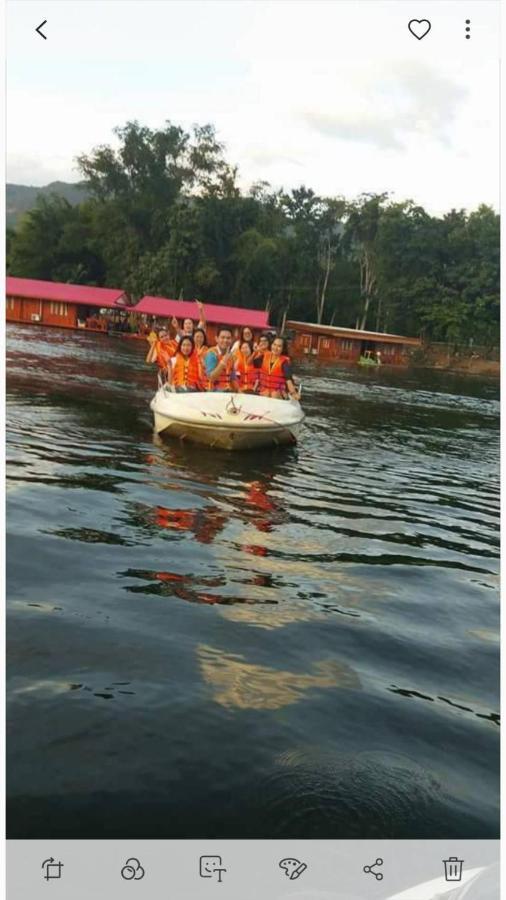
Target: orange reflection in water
<point x="267" y="511"/>
<point x="168" y="576"/>
<point x="257" y="496"/>
<point x="205" y="524"/>
<point x="178" y="519"/>
<point x="254" y="549"/>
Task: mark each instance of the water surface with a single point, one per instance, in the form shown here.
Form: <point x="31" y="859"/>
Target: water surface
<point x="300" y="643"/>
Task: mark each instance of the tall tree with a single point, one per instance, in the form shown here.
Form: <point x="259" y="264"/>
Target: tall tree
<point x="362" y="230"/>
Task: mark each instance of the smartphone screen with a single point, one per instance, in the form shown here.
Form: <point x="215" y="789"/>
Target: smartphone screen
<point x="252" y="437"/>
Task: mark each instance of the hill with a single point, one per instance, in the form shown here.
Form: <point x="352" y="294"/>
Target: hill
<point x="21" y="197"/>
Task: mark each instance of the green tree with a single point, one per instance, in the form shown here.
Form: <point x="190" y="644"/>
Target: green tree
<point x="162" y="214"/>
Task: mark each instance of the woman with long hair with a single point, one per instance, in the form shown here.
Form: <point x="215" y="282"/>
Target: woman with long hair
<point x="275" y="368"/>
<point x="188" y="325"/>
<point x="184" y="369"/>
<point x="162" y="349"/>
<point x="201" y="348"/>
<point x="246" y="334"/>
<point x="246" y="375"/>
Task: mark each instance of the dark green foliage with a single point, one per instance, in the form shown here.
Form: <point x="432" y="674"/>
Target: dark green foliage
<point x="162" y="214"/>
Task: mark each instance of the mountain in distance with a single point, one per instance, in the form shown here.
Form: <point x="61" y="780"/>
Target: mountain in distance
<point x="19" y="198"/>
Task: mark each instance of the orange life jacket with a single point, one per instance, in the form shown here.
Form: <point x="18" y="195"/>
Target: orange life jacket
<point x="186" y="371"/>
<point x="165" y="350"/>
<point x="201" y="356"/>
<point x="271" y="373"/>
<point x="222" y="383"/>
<point x="247" y="374"/>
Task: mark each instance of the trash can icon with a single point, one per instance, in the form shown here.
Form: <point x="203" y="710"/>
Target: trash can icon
<point x="453" y="868"/>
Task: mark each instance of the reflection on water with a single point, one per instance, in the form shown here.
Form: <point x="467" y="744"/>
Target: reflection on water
<point x="328" y="611"/>
<point x="247" y="686"/>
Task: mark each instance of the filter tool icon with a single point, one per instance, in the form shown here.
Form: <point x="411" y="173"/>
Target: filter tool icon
<point x="453" y="868"/>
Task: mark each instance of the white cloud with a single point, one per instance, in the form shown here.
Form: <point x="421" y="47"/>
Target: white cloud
<point x="335" y="95"/>
<point x="390" y="103"/>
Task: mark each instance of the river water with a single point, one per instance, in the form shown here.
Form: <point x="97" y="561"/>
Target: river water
<point x="298" y="643"/>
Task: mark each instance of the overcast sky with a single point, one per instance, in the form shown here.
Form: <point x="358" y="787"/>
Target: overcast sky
<point x="335" y="95"/>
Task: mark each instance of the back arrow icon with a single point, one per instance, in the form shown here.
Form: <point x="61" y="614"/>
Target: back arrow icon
<point x="39" y="31"/>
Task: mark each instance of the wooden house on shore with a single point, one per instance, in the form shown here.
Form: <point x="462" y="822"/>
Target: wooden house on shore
<point x="330" y="343"/>
<point x="62" y="305"/>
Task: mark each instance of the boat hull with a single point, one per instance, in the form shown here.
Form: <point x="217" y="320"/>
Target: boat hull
<point x="226" y="421"/>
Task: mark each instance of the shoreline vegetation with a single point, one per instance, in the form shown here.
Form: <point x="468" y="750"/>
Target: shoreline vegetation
<point x="163" y="214"/>
<point x="482" y="361"/>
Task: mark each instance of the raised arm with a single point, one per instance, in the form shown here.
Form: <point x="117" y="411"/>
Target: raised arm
<point x="202" y="315"/>
<point x="175" y="324"/>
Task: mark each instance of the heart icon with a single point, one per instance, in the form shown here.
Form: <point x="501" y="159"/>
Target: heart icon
<point x="419" y="27"/>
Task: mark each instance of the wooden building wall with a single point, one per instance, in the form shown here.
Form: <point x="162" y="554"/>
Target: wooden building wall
<point x="333" y="347"/>
<point x="323" y="346"/>
<point x="49" y="312"/>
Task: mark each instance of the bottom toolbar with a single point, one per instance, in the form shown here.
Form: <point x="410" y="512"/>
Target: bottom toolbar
<point x="253" y="870"/>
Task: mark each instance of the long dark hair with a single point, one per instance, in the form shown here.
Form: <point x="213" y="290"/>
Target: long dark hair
<point x="244" y="341"/>
<point x="200" y="331"/>
<point x="242" y="338"/>
<point x="186" y="337"/>
<point x="284" y="348"/>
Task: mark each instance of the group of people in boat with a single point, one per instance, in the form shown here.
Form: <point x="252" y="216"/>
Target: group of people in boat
<point x="187" y="363"/>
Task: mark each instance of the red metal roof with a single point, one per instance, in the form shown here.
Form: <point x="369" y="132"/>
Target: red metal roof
<point x="218" y="315"/>
<point x="67" y="293"/>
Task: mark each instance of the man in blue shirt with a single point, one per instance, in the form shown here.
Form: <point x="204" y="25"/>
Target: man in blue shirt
<point x="219" y="363"/>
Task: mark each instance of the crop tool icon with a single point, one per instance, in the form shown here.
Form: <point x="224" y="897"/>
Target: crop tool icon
<point x="52" y="869"/>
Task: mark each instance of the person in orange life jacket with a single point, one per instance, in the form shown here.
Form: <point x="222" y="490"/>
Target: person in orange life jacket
<point x="276" y="372"/>
<point x="245" y="373"/>
<point x="219" y="364"/>
<point x="200" y="341"/>
<point x="245" y="335"/>
<point x="188" y="326"/>
<point x="262" y="345"/>
<point x="201" y="348"/>
<point x="184" y="372"/>
<point x="161" y="350"/>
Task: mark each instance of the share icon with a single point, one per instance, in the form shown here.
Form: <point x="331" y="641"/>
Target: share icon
<point x="370" y="869"/>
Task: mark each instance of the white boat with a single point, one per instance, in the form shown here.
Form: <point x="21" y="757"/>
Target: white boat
<point x="229" y="421"/>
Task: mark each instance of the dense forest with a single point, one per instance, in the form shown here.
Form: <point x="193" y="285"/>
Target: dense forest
<point x="163" y="215"/>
